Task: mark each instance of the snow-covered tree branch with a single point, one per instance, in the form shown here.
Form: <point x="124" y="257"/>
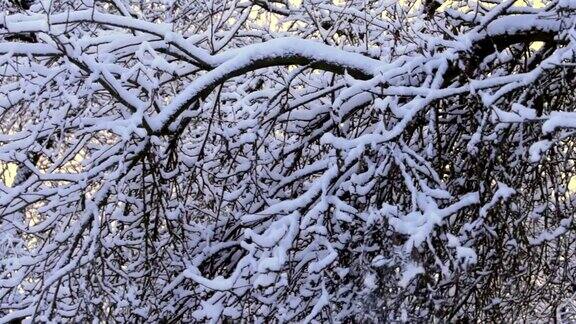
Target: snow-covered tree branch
<point x="290" y="161"/>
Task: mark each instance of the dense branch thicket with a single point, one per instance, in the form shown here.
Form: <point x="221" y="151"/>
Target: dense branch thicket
<point x="181" y="160"/>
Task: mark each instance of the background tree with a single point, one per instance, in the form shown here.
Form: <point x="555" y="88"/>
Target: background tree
<point x="289" y="161"/>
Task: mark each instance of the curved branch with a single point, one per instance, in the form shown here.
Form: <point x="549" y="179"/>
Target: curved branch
<point x="284" y="51"/>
